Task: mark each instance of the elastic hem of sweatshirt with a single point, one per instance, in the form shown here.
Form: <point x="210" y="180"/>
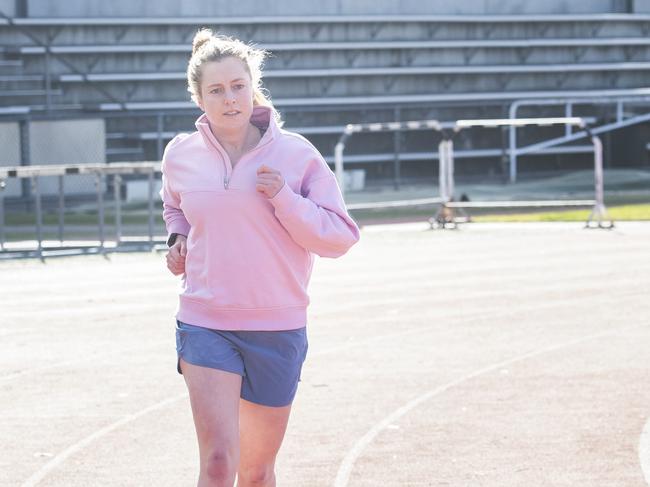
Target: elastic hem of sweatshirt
<point x="182" y="228"/>
<point x="284" y="198"/>
<point x="256" y="319"/>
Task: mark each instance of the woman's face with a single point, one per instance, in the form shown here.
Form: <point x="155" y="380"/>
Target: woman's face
<point x="226" y="94"/>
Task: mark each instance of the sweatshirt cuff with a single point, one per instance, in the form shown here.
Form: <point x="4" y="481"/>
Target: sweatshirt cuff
<point x="181" y="227"/>
<point x="284" y="199"/>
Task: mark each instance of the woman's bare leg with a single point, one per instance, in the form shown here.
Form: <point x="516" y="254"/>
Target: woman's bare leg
<point x="261" y="431"/>
<point x="214" y="396"/>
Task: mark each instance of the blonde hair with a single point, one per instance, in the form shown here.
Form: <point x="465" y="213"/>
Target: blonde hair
<point x="208" y="46"/>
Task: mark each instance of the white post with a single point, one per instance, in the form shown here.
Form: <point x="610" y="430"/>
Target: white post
<point x="568" y="112"/>
<point x="338" y="165"/>
<point x="2" y="214"/>
<point x="512" y="132"/>
<point x="599" y="213"/>
<point x="598" y="170"/>
<point x="442" y="170"/>
<point x="450" y="169"/>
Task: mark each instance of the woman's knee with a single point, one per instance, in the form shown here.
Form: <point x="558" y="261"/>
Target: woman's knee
<point x="256" y="474"/>
<point x="220" y="465"/>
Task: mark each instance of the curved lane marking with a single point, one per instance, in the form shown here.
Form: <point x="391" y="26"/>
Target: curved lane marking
<point x="345" y="469"/>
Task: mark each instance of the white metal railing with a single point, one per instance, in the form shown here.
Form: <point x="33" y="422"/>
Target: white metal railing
<point x="447" y="130"/>
<point x="99" y="171"/>
<point x="569" y="103"/>
<point x="599" y="212"/>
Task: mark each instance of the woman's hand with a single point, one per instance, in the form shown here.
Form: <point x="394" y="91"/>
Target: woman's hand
<point x="176" y="255"/>
<point x="269" y="181"/>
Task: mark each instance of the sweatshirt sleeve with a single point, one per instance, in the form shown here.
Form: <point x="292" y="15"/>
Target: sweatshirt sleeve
<point x="175" y="220"/>
<point x="319" y="220"/>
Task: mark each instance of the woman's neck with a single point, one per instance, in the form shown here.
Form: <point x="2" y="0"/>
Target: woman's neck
<point x="236" y="143"/>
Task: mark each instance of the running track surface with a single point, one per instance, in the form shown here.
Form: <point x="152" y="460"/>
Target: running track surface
<point x="496" y="355"/>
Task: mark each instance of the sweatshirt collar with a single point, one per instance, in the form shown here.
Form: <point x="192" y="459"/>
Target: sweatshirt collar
<point x="262" y="117"/>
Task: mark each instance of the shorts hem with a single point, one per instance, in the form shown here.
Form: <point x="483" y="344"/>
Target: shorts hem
<point x="223" y="369"/>
<point x="273" y="405"/>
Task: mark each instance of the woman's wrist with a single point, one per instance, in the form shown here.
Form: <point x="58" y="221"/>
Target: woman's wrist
<point x="173" y="237"/>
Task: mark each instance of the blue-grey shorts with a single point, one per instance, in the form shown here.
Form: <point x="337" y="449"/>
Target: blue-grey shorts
<point x="269" y="362"/>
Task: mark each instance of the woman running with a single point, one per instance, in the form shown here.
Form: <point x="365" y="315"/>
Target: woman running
<point x="246" y="205"/>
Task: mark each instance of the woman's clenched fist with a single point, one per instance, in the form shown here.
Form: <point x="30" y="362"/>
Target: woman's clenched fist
<point x="269" y="181"/>
<point x="176" y="255"/>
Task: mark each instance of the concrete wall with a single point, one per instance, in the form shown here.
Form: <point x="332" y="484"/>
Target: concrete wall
<point x="641" y="6"/>
<point x="8" y="7"/>
<point x="67" y="142"/>
<point x="188" y="8"/>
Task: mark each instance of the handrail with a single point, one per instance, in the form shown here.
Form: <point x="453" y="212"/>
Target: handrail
<point x="394" y="99"/>
<point x="378" y="71"/>
<point x="333" y="19"/>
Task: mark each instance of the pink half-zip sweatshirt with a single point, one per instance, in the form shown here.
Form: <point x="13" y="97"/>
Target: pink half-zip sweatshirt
<point x="249" y="258"/>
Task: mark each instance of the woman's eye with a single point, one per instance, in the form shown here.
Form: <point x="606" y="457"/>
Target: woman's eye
<point x="216" y="90"/>
<point x="239" y="87"/>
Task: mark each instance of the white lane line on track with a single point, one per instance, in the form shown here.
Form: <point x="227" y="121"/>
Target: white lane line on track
<point x="345" y="469"/>
<point x="71" y="450"/>
<point x="61" y="457"/>
<point x="644" y="452"/>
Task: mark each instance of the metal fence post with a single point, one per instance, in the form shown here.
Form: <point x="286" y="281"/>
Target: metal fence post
<point x="442" y="171"/>
<point x="151" y="172"/>
<point x="338" y="164"/>
<point x="599" y="212"/>
<point x="117" y="186"/>
<point x="48" y="79"/>
<point x="100" y="204"/>
<point x="397" y="136"/>
<point x="3" y="184"/>
<point x="61" y="207"/>
<point x="512" y="132"/>
<point x="39" y="215"/>
<point x="450" y="169"/>
<point x="568" y="113"/>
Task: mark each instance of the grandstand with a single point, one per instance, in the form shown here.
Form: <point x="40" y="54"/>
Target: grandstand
<point x="359" y="64"/>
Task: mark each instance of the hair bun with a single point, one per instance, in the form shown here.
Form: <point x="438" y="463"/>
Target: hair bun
<point x="201" y="37"/>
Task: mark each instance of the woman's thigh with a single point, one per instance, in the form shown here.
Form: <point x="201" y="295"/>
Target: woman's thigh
<point x="261" y="431"/>
<point x="214" y="397"/>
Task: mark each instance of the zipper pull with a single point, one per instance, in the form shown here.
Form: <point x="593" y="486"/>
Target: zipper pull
<point x="225" y="182"/>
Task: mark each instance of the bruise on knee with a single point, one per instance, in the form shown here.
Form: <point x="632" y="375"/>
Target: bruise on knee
<point x="220" y="465"/>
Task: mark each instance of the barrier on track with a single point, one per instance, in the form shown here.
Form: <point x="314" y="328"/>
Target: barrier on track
<point x="100" y="173"/>
<point x="447" y="214"/>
